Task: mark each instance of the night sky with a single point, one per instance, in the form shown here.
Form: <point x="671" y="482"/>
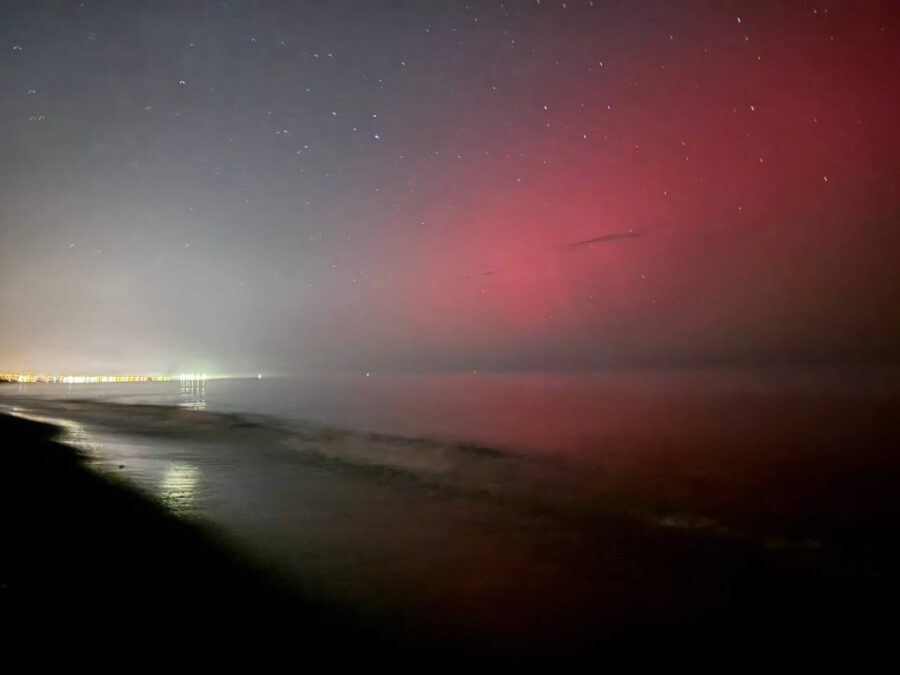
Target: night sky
<point x="413" y="186"/>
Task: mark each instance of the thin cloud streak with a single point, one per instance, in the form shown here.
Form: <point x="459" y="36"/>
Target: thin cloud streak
<point x="599" y="240"/>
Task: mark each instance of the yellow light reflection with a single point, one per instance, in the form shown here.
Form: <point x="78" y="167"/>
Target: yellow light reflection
<point x="178" y="486"/>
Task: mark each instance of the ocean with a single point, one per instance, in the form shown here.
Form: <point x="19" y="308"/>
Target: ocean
<point x="515" y="508"/>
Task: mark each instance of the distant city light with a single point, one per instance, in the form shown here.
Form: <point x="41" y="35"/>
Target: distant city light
<point x="27" y="378"/>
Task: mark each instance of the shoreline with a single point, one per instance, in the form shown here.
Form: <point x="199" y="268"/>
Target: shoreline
<point x="80" y="538"/>
<point x="85" y="555"/>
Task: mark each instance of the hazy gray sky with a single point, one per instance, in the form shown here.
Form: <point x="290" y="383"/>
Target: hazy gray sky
<point x="288" y="186"/>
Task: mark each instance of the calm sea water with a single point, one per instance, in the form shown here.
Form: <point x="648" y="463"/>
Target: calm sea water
<point x="572" y="414"/>
<point x="520" y="507"/>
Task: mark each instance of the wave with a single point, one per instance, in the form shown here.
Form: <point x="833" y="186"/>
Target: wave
<point x="583" y="497"/>
<point x="464" y="467"/>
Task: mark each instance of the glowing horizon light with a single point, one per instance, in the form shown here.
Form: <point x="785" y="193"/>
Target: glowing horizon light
<point x="28" y="378"/>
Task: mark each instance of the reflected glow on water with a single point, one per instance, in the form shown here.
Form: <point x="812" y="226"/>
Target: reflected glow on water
<point x="178" y="485"/>
<point x="490" y="502"/>
<point x="192" y="394"/>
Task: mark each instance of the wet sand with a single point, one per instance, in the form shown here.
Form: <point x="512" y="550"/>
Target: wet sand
<point x="85" y="559"/>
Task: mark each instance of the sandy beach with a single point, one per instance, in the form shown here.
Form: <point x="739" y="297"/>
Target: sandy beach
<point x="86" y="557"/>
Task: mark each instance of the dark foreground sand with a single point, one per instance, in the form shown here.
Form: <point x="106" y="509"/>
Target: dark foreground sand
<point x="89" y="562"/>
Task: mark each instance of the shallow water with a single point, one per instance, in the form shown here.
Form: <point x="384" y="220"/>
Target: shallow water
<point x="512" y="506"/>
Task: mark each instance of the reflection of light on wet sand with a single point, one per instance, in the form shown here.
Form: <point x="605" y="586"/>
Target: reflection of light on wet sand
<point x="177" y="486"/>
